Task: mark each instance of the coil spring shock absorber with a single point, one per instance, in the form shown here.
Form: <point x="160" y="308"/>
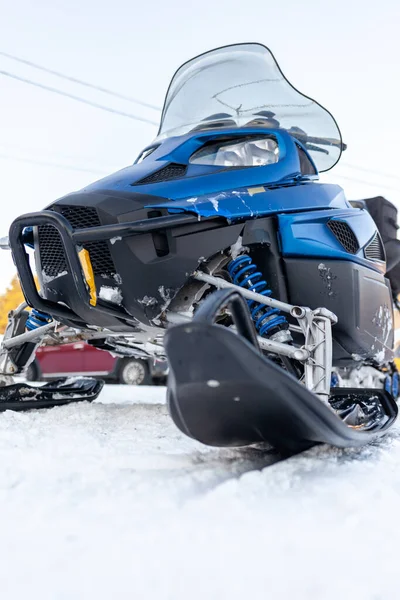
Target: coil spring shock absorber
<point x="269" y="322"/>
<point x="391" y="384"/>
<point x="37" y="319"/>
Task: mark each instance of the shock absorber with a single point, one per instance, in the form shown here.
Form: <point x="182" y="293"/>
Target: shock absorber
<point x="37" y="319"/>
<point x="391" y="384"/>
<point x="269" y="322"/>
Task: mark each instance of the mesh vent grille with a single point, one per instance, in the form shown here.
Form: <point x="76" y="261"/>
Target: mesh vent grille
<point x="80" y="216"/>
<point x="52" y="253"/>
<point x="375" y="249"/>
<point x="171" y="171"/>
<point x="345" y="235"/>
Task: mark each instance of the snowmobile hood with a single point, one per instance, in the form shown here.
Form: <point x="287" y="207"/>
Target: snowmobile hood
<point x="234" y="204"/>
<point x="260" y="201"/>
<point x="168" y="178"/>
<point x="171" y="168"/>
<point x="235" y="135"/>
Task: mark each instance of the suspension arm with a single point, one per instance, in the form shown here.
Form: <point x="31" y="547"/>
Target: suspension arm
<point x="296" y="311"/>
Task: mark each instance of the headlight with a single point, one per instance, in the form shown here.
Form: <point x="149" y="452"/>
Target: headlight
<point x="249" y="152"/>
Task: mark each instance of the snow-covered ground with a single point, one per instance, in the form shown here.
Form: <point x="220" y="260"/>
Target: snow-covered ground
<point x="109" y="500"/>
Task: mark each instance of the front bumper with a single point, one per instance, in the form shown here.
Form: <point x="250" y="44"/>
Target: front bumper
<point x="75" y="307"/>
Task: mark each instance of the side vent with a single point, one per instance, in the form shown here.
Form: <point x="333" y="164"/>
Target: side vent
<point x="375" y="250"/>
<point x="344" y="235"/>
<point x="171" y="171"/>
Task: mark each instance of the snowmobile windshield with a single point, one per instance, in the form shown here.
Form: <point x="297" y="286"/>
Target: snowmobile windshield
<point x="242" y="85"/>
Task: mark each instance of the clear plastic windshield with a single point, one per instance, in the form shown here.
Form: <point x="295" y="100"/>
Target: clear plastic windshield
<point x="242" y="85"/>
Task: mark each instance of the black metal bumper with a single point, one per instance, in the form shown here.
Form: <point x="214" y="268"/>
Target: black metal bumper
<point x="72" y="240"/>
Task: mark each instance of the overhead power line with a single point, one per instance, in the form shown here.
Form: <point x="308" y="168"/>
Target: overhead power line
<point x="371" y="171"/>
<point x="93" y="86"/>
<point x="77" y="98"/>
<point x="142" y="119"/>
<point x="43" y="163"/>
<point x="367" y="183"/>
<point x="50" y="154"/>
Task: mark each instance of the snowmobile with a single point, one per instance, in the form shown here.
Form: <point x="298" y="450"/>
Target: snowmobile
<point x="219" y="250"/>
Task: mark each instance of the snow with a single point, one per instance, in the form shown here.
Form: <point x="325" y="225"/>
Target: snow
<point x="115" y="239"/>
<point x="328" y="278"/>
<point x="237" y="248"/>
<point x="110" y="294"/>
<point x="148" y="301"/>
<point x="166" y="294"/>
<point x="109" y="500"/>
<point x="50" y="278"/>
<point x="215" y="203"/>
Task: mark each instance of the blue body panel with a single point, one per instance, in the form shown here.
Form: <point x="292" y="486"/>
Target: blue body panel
<point x="245" y="203"/>
<point x="303" y="207"/>
<point x="201" y="179"/>
<point x="307" y="234"/>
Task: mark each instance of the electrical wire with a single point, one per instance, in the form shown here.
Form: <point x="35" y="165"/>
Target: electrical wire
<point x="139" y="118"/>
<point x="43" y="163"/>
<point x="77" y="98"/>
<point x="47" y="155"/>
<point x="99" y="88"/>
<point x="367" y="183"/>
<point x="371" y="171"/>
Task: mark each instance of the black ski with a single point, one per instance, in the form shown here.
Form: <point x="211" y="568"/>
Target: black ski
<point x="21" y="396"/>
<point x="224" y="392"/>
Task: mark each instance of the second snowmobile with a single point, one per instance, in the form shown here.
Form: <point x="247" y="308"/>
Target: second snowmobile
<point x="266" y="290"/>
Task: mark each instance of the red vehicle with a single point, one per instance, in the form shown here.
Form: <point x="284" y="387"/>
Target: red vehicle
<point x="80" y="358"/>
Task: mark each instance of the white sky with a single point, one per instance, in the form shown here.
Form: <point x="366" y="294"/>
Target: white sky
<point x="345" y="54"/>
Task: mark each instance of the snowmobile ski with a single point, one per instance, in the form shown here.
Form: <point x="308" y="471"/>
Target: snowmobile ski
<point x="20" y="396"/>
<point x="224" y="392"/>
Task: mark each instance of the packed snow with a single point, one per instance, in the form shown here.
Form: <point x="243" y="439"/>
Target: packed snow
<point x="109" y="500"/>
<point x="111" y="294"/>
<point x="118" y="238"/>
<point x="49" y="278"/>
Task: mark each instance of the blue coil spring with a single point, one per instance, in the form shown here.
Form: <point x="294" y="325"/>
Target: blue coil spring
<point x="244" y="274"/>
<point x="37" y="319"/>
<point x="335" y="381"/>
<point x="392" y="384"/>
<point x="395" y="385"/>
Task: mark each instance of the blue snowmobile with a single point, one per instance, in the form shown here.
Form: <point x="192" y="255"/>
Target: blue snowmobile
<point x="266" y="290"/>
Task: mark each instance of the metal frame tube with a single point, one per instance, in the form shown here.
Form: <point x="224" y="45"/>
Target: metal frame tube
<point x="222" y="284"/>
<point x="29" y="336"/>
